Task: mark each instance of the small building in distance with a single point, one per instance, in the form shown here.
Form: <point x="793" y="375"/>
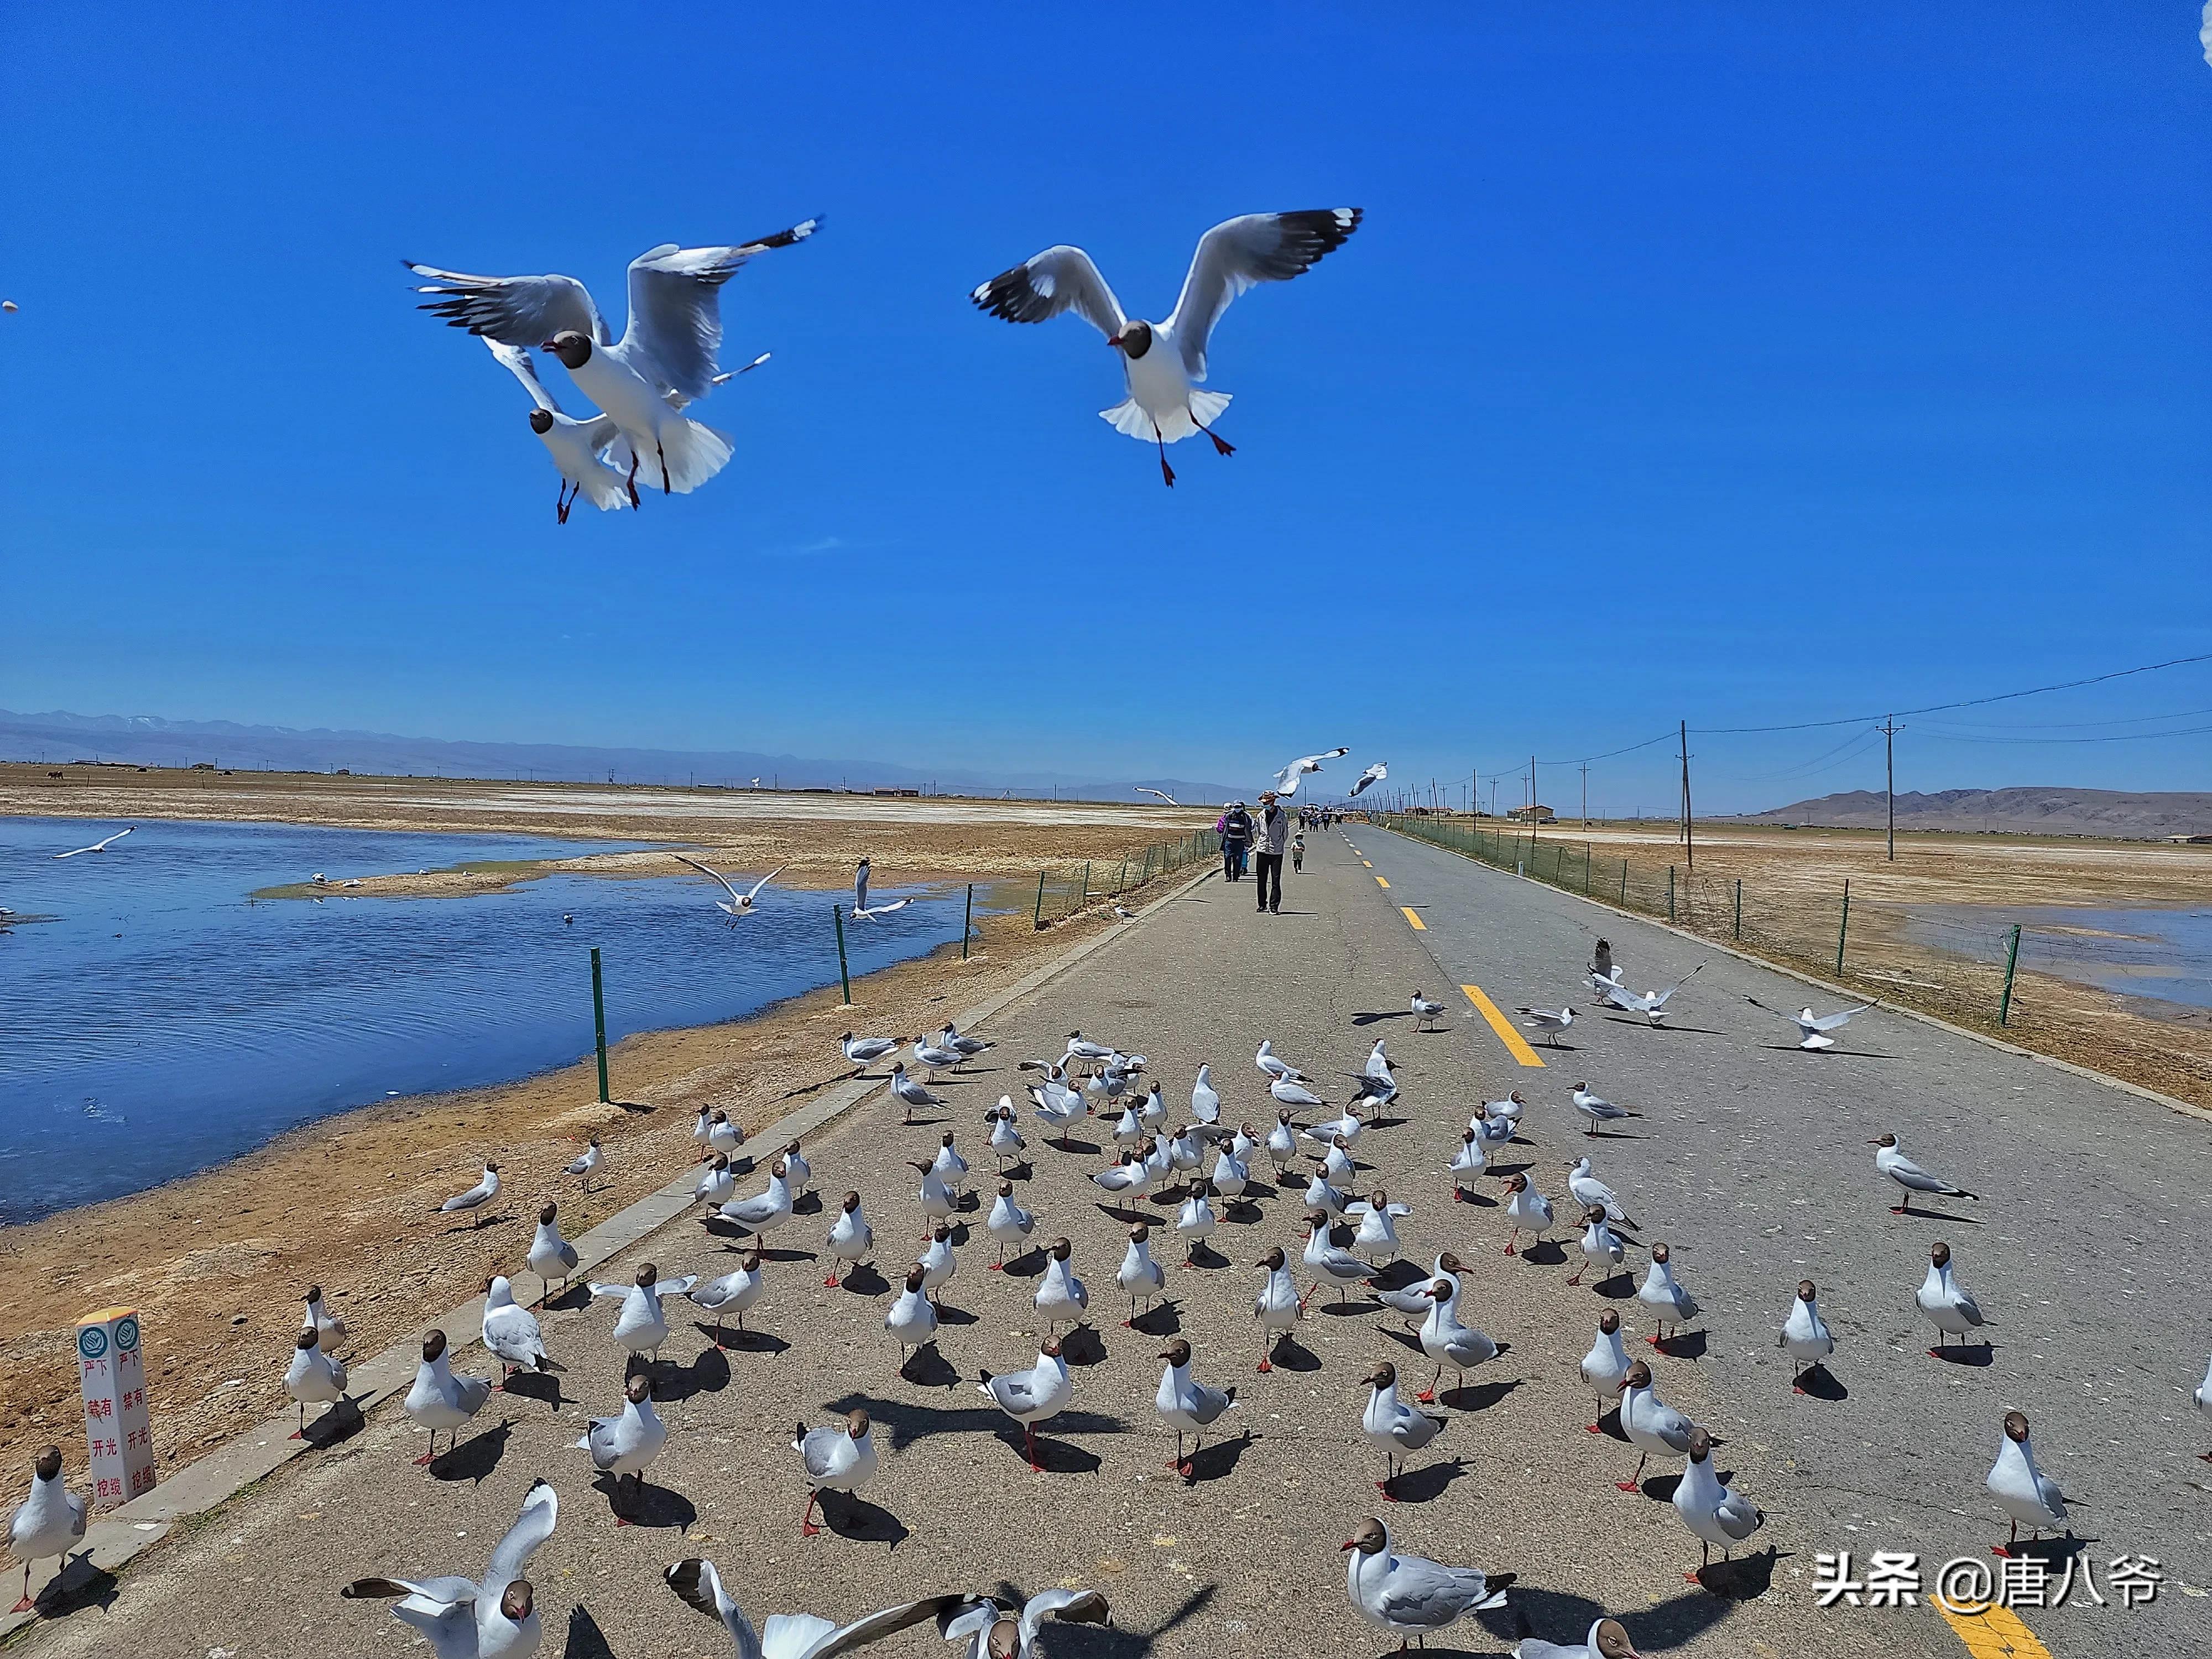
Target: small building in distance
<point x="1533" y="814"/>
<point x="2190" y="841"/>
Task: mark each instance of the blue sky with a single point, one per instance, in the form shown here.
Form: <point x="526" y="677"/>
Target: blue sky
<point x="1743" y="365"/>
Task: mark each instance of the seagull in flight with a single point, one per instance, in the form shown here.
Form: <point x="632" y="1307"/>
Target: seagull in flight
<point x="1374" y="773"/>
<point x="860" y="915"/>
<point x="97" y="846"/>
<point x="675" y="331"/>
<point x="1814" y="1028"/>
<point x="1652" y="1004"/>
<point x="1163" y="363"/>
<point x="739" y="904"/>
<point x="1286" y="781"/>
<point x="1161" y="793"/>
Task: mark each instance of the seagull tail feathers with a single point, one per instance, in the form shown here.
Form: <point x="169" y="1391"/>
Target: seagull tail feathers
<point x="694" y="453"/>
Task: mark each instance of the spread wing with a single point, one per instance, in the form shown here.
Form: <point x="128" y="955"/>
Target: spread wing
<point x="675" y="304"/>
<point x="1085" y="1607"/>
<point x="1258" y="247"/>
<point x="1777" y="1012"/>
<point x="524" y="368"/>
<point x="717" y="875"/>
<point x="701" y="1586"/>
<point x="764" y="881"/>
<point x="520" y="311"/>
<point x="1658" y="998"/>
<point x="532" y="1528"/>
<point x="1040" y="288"/>
<point x="888" y="1621"/>
<point x="1829" y="1022"/>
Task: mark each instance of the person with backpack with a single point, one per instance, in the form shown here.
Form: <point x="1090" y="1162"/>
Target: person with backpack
<point x="1234" y="829"/>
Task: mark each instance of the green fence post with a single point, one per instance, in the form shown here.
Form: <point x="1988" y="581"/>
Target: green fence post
<point x="844" y="973"/>
<point x="1148" y="865"/>
<point x="1843" y="926"/>
<point x="1036" y="917"/>
<point x="968" y="923"/>
<point x="1670" y="892"/>
<point x="1624" y="884"/>
<point x="1122" y="881"/>
<point x="2012" y="961"/>
<point x="1086" y="881"/>
<point x="599" y="1021"/>
<point x="1739" y="907"/>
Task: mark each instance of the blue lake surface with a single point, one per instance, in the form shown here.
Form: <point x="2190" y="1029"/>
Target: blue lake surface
<point x="163" y="1021"/>
<point x="2166" y="954"/>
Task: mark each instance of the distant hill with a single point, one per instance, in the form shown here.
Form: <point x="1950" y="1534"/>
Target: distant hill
<point x="2026" y="810"/>
<point x="150" y="741"/>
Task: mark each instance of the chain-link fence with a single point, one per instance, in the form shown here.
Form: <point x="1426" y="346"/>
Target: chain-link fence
<point x="1068" y="889"/>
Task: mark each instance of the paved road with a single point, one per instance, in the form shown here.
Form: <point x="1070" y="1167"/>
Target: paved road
<point x="2086" y="1249"/>
<point x="1244" y="1562"/>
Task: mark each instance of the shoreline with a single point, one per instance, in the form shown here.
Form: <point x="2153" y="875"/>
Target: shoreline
<point x="216" y="1261"/>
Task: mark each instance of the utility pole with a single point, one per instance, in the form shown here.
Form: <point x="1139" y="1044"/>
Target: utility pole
<point x="1889" y="778"/>
<point x="1532" y="804"/>
<point x="1585" y="766"/>
<point x="1689" y="841"/>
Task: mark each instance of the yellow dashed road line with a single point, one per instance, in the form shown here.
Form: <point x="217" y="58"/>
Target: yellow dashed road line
<point x="1516" y="1044"/>
<point x="1379" y="882"/>
<point x="1370" y="863"/>
<point x="1406" y="910"/>
<point x="1995" y="1633"/>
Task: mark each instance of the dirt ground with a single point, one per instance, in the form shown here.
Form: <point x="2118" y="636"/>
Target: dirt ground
<point x="1793" y="885"/>
<point x="217" y="1261"/>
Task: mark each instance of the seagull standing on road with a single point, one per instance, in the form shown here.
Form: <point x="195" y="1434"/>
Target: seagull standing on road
<point x="912" y="1320"/>
<point x="50" y="1521"/>
<point x="864" y="1052"/>
<point x="723" y="1136"/>
<point x="1596" y="1108"/>
<point x="732" y="1293"/>
<point x="1205" y="1100"/>
<point x="494" y="1619"/>
<point x="675" y="331"/>
<point x="766" y="1209"/>
<point x="1527" y="1210"/>
<point x="838" y="1459"/>
<point x="313" y="1377"/>
<point x="583" y="1166"/>
<point x="624" y="1446"/>
<point x="440" y="1400"/>
<point x="1607" y="1639"/>
<point x="1669" y="1302"/>
<point x="1164" y="363"/>
<point x="2023" y="1491"/>
<point x="909" y="1093"/>
<point x="1948" y="1306"/>
<point x="1805" y="1335"/>
<point x="1266" y="1060"/>
<point x="1651" y="1425"/>
<point x="738" y="904"/>
<point x="1718" y="1514"/>
<point x="1426" y="1012"/>
<point x="1589" y="1192"/>
<point x="1813" y="1028"/>
<point x="1295" y="1095"/>
<point x="1277" y="1306"/>
<point x="851" y="1239"/>
<point x="330" y="1330"/>
<point x="1008" y="1223"/>
<point x="1550" y="1021"/>
<point x="1188" y="1406"/>
<point x="551" y="1255"/>
<point x="1032" y="1397"/>
<point x="97" y="846"/>
<point x="1601" y="1247"/>
<point x="511" y="1332"/>
<point x="1891" y="1162"/>
<point x="1605" y="1367"/>
<point x="1393" y="1427"/>
<point x="1409" y="1596"/>
<point x="1061" y="1297"/>
<point x="642" y="1325"/>
<point x="1325" y="1261"/>
<point x="476" y="1196"/>
<point x="1449" y="1342"/>
<point x="718" y="1186"/>
<point x="1468" y="1164"/>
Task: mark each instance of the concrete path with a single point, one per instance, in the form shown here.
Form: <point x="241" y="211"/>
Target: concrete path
<point x="1243" y="1560"/>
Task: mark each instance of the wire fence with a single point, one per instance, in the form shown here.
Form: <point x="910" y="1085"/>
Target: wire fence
<point x="1945" y="961"/>
<point x="1067" y="889"/>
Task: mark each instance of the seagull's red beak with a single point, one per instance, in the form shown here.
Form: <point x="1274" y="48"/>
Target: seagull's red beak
<point x="1348" y="1544"/>
<point x="1115" y="340"/>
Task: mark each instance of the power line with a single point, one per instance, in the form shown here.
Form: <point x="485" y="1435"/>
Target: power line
<point x="1970" y="703"/>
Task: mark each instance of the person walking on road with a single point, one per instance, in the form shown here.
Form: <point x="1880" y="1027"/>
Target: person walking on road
<point x="1234" y="829"/>
<point x="1297" y="854"/>
<point x="1274" y="835"/>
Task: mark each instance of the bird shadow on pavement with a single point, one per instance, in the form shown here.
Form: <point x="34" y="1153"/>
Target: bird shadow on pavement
<point x="1616" y="1286"/>
<point x="1126" y="1216"/>
<point x="1935" y="1215"/>
<point x="1076" y="1148"/>
<point x="1554" y="1254"/>
<point x="909" y="1421"/>
<point x="586" y="1639"/>
<point x="1082" y="1345"/>
<point x="1555" y="1615"/>
<point x="1965" y="1353"/>
<point x="1821" y="1383"/>
<point x="855" y="1517"/>
<point x="1028" y="1265"/>
<point x="1481" y="1396"/>
<point x="651" y="1506"/>
<point x="541" y="1386"/>
<point x="475" y="1227"/>
<point x="1289" y="1354"/>
<point x="1399" y="1274"/>
<point x="342" y="1422"/>
<point x="929" y="1369"/>
<point x="1684" y="1344"/>
<point x="744" y="1340"/>
<point x="1369" y="1018"/>
<point x="1481" y="1200"/>
<point x="1217" y="1460"/>
<point x="709" y="1373"/>
<point x="1203" y="1257"/>
<point x="1406" y="1336"/>
<point x="1745" y="1578"/>
<point x="1119" y="1642"/>
<point x="864" y="1280"/>
<point x="1346" y="1309"/>
<point x="949" y="1314"/>
<point x="77" y="1584"/>
<point x="578" y="1295"/>
<point x="1163" y="1318"/>
<point x="1686" y="1030"/>
<point x="1660" y="1488"/>
<point x="1427" y="1483"/>
<point x="475" y="1458"/>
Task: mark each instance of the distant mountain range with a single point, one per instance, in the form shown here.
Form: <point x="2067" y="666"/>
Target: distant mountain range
<point x="2026" y="810"/>
<point x="149" y="740"/>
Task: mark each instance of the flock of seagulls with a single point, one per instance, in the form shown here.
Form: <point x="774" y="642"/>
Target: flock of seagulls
<point x="667" y="357"/>
<point x="742" y="903"/>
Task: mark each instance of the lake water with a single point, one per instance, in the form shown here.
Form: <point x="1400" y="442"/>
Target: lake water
<point x="2162" y="954"/>
<point x="164" y="1021"/>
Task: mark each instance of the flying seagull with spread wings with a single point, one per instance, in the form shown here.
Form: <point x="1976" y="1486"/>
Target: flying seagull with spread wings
<point x="739" y="904"/>
<point x="1286" y="781"/>
<point x="1374" y="773"/>
<point x="1161" y="793"/>
<point x="674" y="334"/>
<point x="97" y="846"/>
<point x="1164" y="363"/>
